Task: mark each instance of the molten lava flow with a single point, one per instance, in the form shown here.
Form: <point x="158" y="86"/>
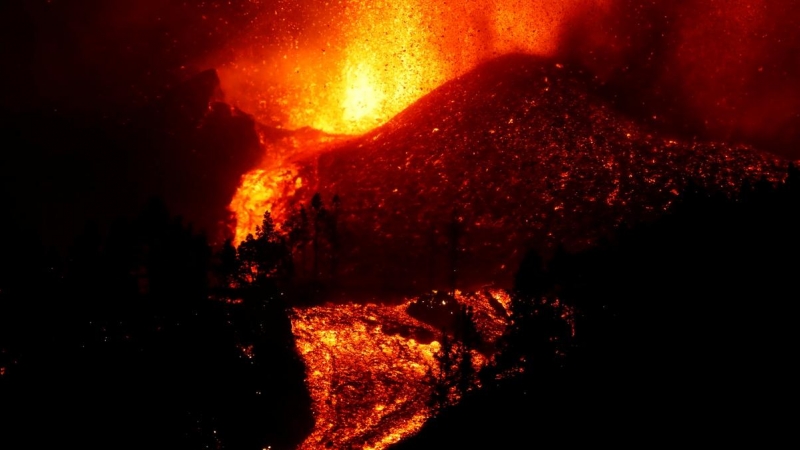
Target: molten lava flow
<point x="367" y="385"/>
<point x="349" y="67"/>
<point x="725" y="72"/>
<point x="368" y="368"/>
<point x="259" y="191"/>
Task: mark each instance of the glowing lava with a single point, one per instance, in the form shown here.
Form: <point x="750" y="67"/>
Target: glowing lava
<point x="525" y="155"/>
<point x="361" y="97"/>
<point x="368" y="367"/>
<point x="347" y="67"/>
<point x="259" y="191"/>
<point x="367" y="386"/>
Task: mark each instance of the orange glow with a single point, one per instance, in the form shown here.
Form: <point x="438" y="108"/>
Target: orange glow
<point x="362" y="97"/>
<point x="260" y="191"/>
<point x="354" y="68"/>
<point x="366" y="369"/>
<point x="502" y="297"/>
<point x="359" y="376"/>
<point x="351" y="69"/>
<point x="348" y="67"/>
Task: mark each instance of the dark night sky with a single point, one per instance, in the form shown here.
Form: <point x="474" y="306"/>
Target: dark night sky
<point x="79" y="78"/>
<point x="103" y="53"/>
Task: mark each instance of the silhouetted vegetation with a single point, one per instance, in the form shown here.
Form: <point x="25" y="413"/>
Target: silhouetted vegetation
<point x="312" y="236"/>
<point x="142" y="337"/>
<point x="678" y="328"/>
<point x="455" y="374"/>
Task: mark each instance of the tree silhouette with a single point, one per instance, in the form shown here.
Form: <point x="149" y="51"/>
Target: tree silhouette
<point x="318" y="225"/>
<point x="333" y="233"/>
<point x="299" y="236"/>
<point x="455" y="230"/>
<point x="266" y="256"/>
<point x="229" y="265"/>
<point x="538" y="334"/>
<point x="443" y="380"/>
<point x="469" y="339"/>
<point x="455" y="373"/>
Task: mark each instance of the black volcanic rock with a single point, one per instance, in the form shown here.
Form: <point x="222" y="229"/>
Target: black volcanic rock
<point x="515" y="154"/>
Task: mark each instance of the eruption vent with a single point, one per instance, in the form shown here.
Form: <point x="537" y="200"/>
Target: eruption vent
<point x="349" y="67"/>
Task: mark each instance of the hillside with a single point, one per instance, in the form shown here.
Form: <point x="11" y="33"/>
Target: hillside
<point x="515" y="154"/>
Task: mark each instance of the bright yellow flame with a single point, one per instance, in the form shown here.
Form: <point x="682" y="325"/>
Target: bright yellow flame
<point x="362" y="97"/>
<point x="347" y="67"/>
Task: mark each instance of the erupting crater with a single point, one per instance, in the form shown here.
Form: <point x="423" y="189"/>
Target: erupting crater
<point x="518" y="153"/>
<point x="348" y="67"/>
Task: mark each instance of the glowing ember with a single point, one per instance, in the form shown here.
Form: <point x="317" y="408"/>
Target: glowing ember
<point x="368" y="368"/>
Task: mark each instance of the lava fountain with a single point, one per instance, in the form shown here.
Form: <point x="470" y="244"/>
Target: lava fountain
<point x="722" y="71"/>
<point x="350" y="68"/>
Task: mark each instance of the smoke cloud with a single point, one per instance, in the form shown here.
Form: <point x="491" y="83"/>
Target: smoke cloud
<point x="722" y="70"/>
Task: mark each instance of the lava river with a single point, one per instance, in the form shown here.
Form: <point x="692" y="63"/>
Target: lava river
<point x="368" y="367"/>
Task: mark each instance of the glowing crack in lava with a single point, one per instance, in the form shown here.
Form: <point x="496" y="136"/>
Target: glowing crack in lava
<point x="367" y="366"/>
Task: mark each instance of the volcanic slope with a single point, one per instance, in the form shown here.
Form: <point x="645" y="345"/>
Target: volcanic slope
<point x="515" y="154"/>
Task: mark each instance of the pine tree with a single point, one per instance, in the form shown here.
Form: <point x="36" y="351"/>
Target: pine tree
<point x="229" y="265"/>
<point x="265" y="256"/>
<point x="333" y="233"/>
<point x="443" y="378"/>
<point x="299" y="236"/>
<point x="469" y="339"/>
<point x="319" y="214"/>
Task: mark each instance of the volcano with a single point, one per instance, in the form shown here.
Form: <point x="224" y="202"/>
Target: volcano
<point x="410" y="154"/>
<point x="520" y="153"/>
